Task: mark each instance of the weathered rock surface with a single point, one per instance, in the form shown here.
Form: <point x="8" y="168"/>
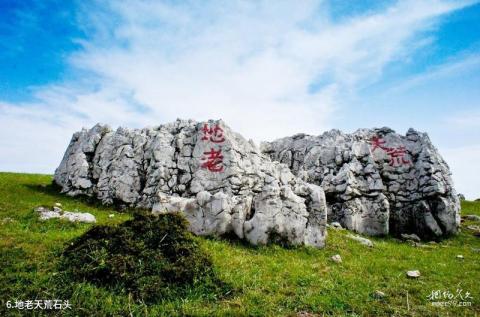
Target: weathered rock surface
<point x="221" y="182"/>
<point x="376" y="181"/>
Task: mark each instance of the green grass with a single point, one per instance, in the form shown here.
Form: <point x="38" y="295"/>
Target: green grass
<point x="268" y="281"/>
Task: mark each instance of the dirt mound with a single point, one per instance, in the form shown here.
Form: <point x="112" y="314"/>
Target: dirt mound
<point x="151" y="257"/>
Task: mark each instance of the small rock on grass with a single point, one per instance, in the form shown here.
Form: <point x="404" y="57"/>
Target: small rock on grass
<point x="378" y="294"/>
<point x="336" y="258"/>
<point x="7" y="220"/>
<point x="460" y="257"/>
<point x="425" y="246"/>
<point x="79" y="217"/>
<point x="46" y="214"/>
<point x="474" y="228"/>
<point x="111" y="215"/>
<point x="40" y="209"/>
<point x="413" y="274"/>
<point x="412" y="237"/>
<point x="362" y="240"/>
<point x="58" y="205"/>
<point x="472" y="217"/>
<point x="336" y="225"/>
<point x="306" y="314"/>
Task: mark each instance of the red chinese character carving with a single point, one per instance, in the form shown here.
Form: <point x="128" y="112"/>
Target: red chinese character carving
<point x="214" y="134"/>
<point x="397" y="155"/>
<point x="214" y="160"/>
<point x="377" y="143"/>
<point x="206" y="131"/>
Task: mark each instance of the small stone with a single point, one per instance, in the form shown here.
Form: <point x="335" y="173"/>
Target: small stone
<point x="472" y="217"/>
<point x="474" y="227"/>
<point x="58" y="205"/>
<point x="476" y="249"/>
<point x="79" y="217"/>
<point x="57" y="212"/>
<point x="40" y="209"/>
<point x="336" y="225"/>
<point x="413" y="274"/>
<point x="7" y="220"/>
<point x="337" y="258"/>
<point x="306" y="314"/>
<point x="460" y="257"/>
<point x="362" y="240"/>
<point x="111" y="215"/>
<point x="378" y="294"/>
<point x="48" y="214"/>
<point x="412" y="237"/>
<point x="425" y="246"/>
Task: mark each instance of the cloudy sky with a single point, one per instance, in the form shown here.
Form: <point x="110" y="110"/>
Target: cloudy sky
<point x="268" y="68"/>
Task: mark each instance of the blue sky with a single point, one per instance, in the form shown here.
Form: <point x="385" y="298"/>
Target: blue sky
<point x="256" y="64"/>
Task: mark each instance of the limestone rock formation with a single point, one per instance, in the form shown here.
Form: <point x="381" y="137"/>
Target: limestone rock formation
<point x="376" y="181"/>
<point x="220" y="181"/>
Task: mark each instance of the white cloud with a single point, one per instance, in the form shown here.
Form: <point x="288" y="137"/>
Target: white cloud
<point x="458" y="66"/>
<point x="250" y="63"/>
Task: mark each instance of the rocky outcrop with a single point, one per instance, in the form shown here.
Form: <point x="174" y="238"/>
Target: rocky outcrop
<point x="376" y="181"/>
<point x="221" y="182"/>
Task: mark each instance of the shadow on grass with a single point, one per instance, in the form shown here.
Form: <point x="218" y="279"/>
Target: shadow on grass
<point x="233" y="240"/>
<point x="54" y="191"/>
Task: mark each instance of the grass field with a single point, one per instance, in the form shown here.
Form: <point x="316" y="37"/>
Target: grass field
<point x="268" y="281"/>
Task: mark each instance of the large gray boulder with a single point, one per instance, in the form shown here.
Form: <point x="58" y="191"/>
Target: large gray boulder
<point x="221" y="182"/>
<point x="376" y="181"/>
